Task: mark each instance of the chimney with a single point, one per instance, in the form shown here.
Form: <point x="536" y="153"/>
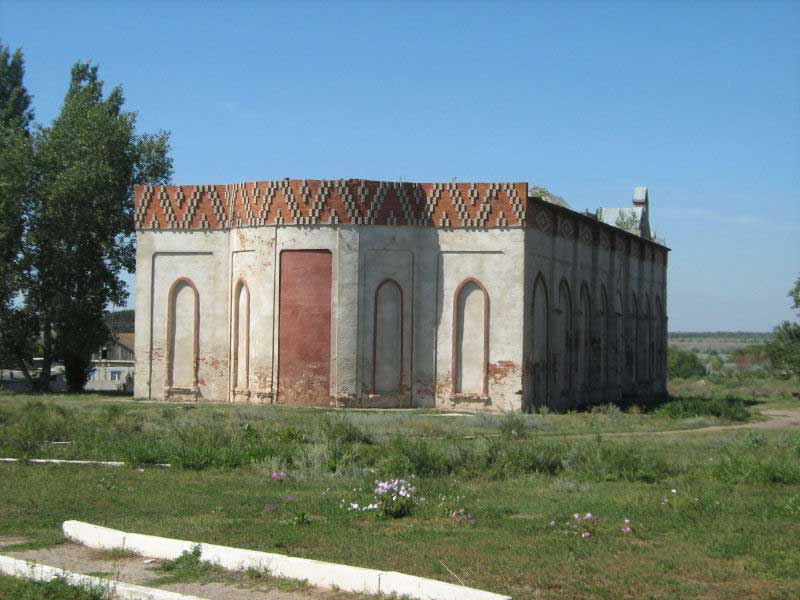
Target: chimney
<point x="640" y="197"/>
<point x="640" y="200"/>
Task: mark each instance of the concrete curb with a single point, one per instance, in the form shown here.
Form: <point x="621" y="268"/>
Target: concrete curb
<point x="318" y="573"/>
<point x="56" y="461"/>
<point x="117" y="590"/>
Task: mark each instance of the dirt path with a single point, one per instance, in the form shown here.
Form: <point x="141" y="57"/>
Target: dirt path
<point x="784" y="418"/>
<point x="140" y="571"/>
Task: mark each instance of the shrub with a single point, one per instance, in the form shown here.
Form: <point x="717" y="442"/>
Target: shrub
<point x="784" y="349"/>
<point x="513" y="426"/>
<point x="418" y="456"/>
<point x="610" y="461"/>
<point x="341" y="429"/>
<point x="683" y="365"/>
<point x="186" y="561"/>
<point x="730" y="408"/>
<point x="510" y="459"/>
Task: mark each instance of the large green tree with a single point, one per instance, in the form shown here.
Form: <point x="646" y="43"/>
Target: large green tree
<point x="784" y="348"/>
<point x="17" y="323"/>
<point x="80" y="234"/>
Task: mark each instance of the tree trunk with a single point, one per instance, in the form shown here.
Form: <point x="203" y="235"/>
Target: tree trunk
<point x="24" y="368"/>
<point x="47" y="357"/>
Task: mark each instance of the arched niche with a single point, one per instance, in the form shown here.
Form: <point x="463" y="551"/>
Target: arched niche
<point x="660" y="336"/>
<point x="541" y="342"/>
<point x="240" y="353"/>
<point x="584" y="335"/>
<point x="602" y="336"/>
<point x="183" y="335"/>
<point x="647" y="341"/>
<point x="562" y="363"/>
<point x="633" y="337"/>
<point x="387" y="342"/>
<point x="619" y="338"/>
<point x="470" y="338"/>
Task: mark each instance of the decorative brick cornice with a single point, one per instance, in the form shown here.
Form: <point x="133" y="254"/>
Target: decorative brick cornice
<point x="302" y="202"/>
<point x="322" y="202"/>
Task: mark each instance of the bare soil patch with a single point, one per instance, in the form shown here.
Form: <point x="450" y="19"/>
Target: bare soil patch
<point x="778" y="419"/>
<point x="6" y="541"/>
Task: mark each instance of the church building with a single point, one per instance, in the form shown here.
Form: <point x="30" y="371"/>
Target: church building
<point x="354" y="293"/>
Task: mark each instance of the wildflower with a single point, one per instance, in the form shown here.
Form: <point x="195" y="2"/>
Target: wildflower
<point x="674" y="491"/>
<point x="588" y="517"/>
<point x="278" y="475"/>
<point x="290" y="499"/>
<point x="627" y="521"/>
<point x="552" y="523"/>
<point x="626" y="530"/>
<point x="395" y="497"/>
<point x="270" y="506"/>
<point x="462" y="516"/>
<point x="585" y="535"/>
<point x="577" y="517"/>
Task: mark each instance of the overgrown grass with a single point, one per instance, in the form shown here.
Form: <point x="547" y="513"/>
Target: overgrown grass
<point x="189" y="568"/>
<point x="20" y="589"/>
<point x="730" y="529"/>
<point x="729" y="408"/>
<point x="316" y="442"/>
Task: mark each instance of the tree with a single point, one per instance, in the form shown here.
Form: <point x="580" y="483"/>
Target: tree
<point x="81" y="219"/>
<point x="18" y="325"/>
<point x="784" y="348"/>
<point x="682" y="364"/>
<point x="628" y="220"/>
<point x="794" y="294"/>
<point x="15" y="101"/>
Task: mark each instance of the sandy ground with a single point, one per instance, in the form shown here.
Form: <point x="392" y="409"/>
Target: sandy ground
<point x="139" y="570"/>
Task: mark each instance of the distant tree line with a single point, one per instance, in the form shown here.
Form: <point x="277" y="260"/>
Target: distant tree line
<point x="121" y="321"/>
<point x="779" y="353"/>
<point x="719" y="334"/>
<point x="66" y="218"/>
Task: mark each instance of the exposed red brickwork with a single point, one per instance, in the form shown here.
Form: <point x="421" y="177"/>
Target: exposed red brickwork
<point x="304" y="330"/>
<point x="352" y="201"/>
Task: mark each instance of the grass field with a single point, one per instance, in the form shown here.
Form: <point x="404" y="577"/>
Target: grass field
<point x="712" y="514"/>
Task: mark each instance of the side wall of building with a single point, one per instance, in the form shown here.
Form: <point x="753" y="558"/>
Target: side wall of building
<point x="182" y="281"/>
<point x="595" y="313"/>
<point x="419" y="316"/>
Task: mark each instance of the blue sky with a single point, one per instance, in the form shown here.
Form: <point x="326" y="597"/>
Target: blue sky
<point x="699" y="101"/>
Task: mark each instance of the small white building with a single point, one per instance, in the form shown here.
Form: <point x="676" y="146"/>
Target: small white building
<point x="365" y="293"/>
<point x="113" y="365"/>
